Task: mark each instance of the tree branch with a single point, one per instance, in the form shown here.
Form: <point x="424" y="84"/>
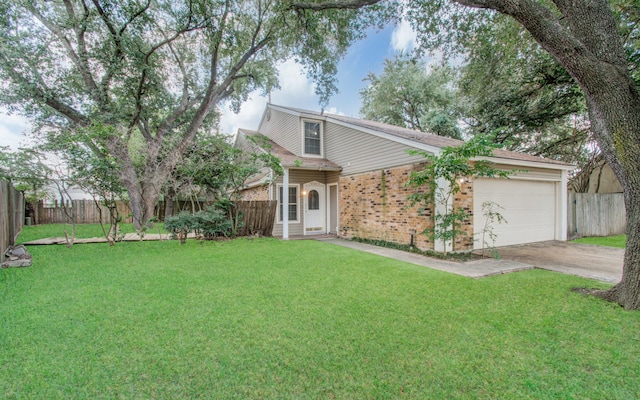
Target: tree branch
<point x="79" y="61"/>
<point x="134" y="16"/>
<point x="330" y="5"/>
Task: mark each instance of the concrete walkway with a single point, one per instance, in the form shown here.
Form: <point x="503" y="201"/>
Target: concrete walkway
<point x="472" y="269"/>
<point x="128" y="237"/>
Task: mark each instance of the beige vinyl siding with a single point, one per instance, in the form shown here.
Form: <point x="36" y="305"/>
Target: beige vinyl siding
<point x="284" y="129"/>
<point x="300" y="177"/>
<point x="332" y="177"/>
<point x="358" y="152"/>
<point x="542" y="174"/>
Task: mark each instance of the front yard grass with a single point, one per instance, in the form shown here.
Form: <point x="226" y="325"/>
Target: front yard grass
<point x="258" y="319"/>
<point x="611" y="241"/>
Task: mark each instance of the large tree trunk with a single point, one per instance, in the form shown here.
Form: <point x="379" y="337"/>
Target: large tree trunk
<point x="169" y="204"/>
<point x="586" y="42"/>
<point x="617" y="129"/>
<point x="627" y="291"/>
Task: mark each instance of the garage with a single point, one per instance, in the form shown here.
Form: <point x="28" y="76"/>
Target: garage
<point x="529" y="207"/>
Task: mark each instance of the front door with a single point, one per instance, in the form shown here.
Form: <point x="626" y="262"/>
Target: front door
<point x="314" y="208"/>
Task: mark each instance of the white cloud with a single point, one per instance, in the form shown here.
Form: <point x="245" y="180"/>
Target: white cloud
<point x="294" y="82"/>
<point x="296" y="90"/>
<point x="403" y="38"/>
<point x="248" y="117"/>
<point x="13" y="129"/>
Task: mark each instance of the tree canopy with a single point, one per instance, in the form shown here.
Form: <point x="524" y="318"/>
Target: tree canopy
<point x="519" y="93"/>
<point x="411" y="94"/>
<point x="26" y="170"/>
<point x="153" y="73"/>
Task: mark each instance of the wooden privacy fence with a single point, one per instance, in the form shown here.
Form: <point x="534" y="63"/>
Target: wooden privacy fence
<point x="83" y="211"/>
<point x="595" y="214"/>
<point x="257" y="217"/>
<point x="11" y="215"/>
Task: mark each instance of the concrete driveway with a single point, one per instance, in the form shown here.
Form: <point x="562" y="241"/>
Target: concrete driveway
<point x="588" y="261"/>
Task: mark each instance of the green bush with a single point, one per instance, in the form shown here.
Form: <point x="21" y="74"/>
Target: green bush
<point x="210" y="223"/>
<point x="179" y="225"/>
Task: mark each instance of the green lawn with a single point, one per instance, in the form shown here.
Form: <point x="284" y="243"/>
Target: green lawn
<point x="258" y="319"/>
<point x="82" y="231"/>
<point x="611" y="241"/>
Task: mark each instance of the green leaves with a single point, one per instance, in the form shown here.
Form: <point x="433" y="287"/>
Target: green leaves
<point x="26" y="169"/>
<point x="443" y="177"/>
<point x="519" y="93"/>
<point x="212" y="166"/>
<point x="154" y="73"/>
<point x="410" y="94"/>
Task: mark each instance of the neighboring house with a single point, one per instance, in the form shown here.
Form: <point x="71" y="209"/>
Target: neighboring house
<point x="347" y="176"/>
<point x="596" y="177"/>
<point x="69" y="194"/>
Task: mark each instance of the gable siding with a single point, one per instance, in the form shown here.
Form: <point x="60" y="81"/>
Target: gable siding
<point x="358" y="152"/>
<point x="283" y="129"/>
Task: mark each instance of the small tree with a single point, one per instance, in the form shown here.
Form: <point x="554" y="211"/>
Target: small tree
<point x="94" y="174"/>
<point x="217" y="170"/>
<point x="441" y="180"/>
<point x="487" y="236"/>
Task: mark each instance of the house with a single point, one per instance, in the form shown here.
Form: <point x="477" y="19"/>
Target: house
<point x="595" y="177"/>
<point x="347" y="176"/>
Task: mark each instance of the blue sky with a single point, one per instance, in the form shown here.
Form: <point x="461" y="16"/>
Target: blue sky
<point x="297" y="90"/>
<point x="365" y="56"/>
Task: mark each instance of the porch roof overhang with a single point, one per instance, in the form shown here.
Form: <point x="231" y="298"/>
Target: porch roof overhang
<point x="292" y="161"/>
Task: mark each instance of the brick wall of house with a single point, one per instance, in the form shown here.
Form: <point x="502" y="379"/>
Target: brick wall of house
<point x="256" y="193"/>
<point x="464" y="199"/>
<point x="374" y="206"/>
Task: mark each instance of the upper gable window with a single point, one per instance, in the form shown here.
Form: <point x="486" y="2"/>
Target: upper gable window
<point x="312" y="138"/>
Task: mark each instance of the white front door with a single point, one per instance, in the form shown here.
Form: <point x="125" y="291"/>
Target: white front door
<point x="314" y="208"/>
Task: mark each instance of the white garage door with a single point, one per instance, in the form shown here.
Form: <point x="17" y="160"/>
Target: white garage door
<point x="529" y="208"/>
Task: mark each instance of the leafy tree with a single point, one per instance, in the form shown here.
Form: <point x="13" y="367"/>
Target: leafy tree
<point x="409" y="94"/>
<point x="216" y="167"/>
<point x="96" y="175"/>
<point x="213" y="168"/>
<point x="453" y="166"/>
<point x="519" y="93"/>
<point x="586" y="39"/>
<point x="26" y="169"/>
<point x="154" y="72"/>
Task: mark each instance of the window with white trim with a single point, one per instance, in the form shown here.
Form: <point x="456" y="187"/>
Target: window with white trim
<point x="312" y="138"/>
<point x="293" y="203"/>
